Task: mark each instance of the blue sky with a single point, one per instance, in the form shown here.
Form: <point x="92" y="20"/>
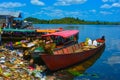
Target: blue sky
<point x="92" y="10"/>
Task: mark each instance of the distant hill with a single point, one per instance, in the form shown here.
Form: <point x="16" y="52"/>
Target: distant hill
<point x="68" y="20"/>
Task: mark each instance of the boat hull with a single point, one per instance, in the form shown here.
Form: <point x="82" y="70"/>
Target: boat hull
<point x="56" y="62"/>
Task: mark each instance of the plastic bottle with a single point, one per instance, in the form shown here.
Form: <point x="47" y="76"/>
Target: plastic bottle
<point x="89" y="42"/>
<point x="95" y="43"/>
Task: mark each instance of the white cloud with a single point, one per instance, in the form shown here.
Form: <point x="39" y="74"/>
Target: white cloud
<point x="50" y="12"/>
<point x="106" y="6"/>
<point x="105" y="12"/>
<point x="69" y="2"/>
<point x="48" y="8"/>
<point x="110" y="0"/>
<point x="110" y="6"/>
<point x="104" y="0"/>
<point x="116" y="5"/>
<point x="11" y="4"/>
<point x="37" y="2"/>
<point x="57" y="13"/>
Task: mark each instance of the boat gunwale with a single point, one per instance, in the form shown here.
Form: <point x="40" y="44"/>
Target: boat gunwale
<point x="74" y="52"/>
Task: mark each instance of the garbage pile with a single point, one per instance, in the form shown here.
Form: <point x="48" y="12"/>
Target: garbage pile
<point x="14" y="67"/>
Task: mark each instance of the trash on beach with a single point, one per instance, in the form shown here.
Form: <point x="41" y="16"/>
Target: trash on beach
<point x="13" y="66"/>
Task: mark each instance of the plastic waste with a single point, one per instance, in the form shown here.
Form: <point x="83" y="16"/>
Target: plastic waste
<point x="40" y="75"/>
<point x="14" y="67"/>
<point x="2" y="61"/>
<point x="94" y="43"/>
<point x="30" y="44"/>
<point x="89" y="42"/>
<point x="39" y="49"/>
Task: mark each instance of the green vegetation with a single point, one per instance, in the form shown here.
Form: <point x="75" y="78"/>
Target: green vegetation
<point x="36" y="21"/>
<point x="68" y="20"/>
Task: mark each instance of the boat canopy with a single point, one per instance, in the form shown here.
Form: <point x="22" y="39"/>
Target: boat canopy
<point x="18" y="30"/>
<point x="64" y="34"/>
<point x="10" y="14"/>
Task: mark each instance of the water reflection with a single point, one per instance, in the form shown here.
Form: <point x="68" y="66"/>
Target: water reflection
<point x="79" y="69"/>
<point x="115" y="43"/>
<point x="82" y="67"/>
<point x="113" y="60"/>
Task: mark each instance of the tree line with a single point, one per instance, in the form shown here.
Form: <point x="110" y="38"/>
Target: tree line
<point x="68" y="20"/>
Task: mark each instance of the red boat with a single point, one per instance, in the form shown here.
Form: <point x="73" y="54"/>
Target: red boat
<point x="62" y="38"/>
<point x="72" y="54"/>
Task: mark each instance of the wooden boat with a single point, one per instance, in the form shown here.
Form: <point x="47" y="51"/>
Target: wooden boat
<point x="55" y="41"/>
<point x="41" y="32"/>
<point x="62" y="38"/>
<point x="16" y="34"/>
<point x="83" y="66"/>
<point x="48" y="30"/>
<point x="70" y="55"/>
<point x="21" y="34"/>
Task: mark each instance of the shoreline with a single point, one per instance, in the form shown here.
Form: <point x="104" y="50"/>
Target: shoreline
<point x="13" y="64"/>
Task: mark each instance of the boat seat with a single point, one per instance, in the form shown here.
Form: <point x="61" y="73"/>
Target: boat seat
<point x="65" y="50"/>
<point x="60" y="51"/>
<point x="81" y="45"/>
<point x="55" y="52"/>
<point x="76" y="46"/>
<point x="70" y="49"/>
<point x="79" y="50"/>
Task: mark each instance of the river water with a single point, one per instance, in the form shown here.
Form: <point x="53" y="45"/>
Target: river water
<point x="105" y="66"/>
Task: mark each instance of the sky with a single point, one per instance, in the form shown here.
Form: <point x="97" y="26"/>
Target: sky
<point x="90" y="10"/>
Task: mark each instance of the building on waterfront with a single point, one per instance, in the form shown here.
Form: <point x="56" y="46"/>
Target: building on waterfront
<point x="13" y="20"/>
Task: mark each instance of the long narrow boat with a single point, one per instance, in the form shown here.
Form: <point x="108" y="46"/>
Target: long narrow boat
<point x="22" y="34"/>
<point x="16" y="34"/>
<point x="48" y="30"/>
<point x="71" y="55"/>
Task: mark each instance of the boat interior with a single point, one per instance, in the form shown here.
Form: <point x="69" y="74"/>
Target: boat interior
<point x="76" y="48"/>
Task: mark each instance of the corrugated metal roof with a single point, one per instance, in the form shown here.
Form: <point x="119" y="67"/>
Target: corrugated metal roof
<point x="10" y="14"/>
